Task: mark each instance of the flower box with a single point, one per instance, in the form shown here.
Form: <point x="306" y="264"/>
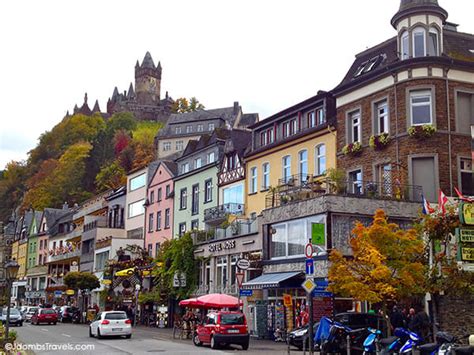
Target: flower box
<point x="352" y="148"/>
<point x="379" y="142"/>
<point x="422" y="132"/>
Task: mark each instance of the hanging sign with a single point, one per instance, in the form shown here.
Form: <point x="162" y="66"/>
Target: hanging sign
<point x="287" y="301"/>
<point x="466" y="213"/>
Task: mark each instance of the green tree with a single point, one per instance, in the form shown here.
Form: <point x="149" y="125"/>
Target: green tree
<point x="12" y="187"/>
<point x="111" y="176"/>
<point x="183" y="105"/>
<point x="386" y="265"/>
<point x="81" y="281"/>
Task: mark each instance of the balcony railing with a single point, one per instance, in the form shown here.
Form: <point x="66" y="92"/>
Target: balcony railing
<point x="95" y="224"/>
<point x="217" y="215"/>
<point x="57" y="256"/>
<point x="207" y="289"/>
<point x="237" y="228"/>
<point x="297" y="188"/>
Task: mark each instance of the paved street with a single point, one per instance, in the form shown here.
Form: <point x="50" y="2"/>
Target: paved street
<point x="143" y="341"/>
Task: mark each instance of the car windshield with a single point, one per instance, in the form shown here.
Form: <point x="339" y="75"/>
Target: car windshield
<point x="32" y="310"/>
<point x="13" y="311"/>
<point x="116" y="316"/>
<point x="48" y="311"/>
<point x="232" y="319"/>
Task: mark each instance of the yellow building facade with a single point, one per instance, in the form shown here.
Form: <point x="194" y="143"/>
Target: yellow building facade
<point x="15" y="250"/>
<point x="22" y="257"/>
<point x="299" y="141"/>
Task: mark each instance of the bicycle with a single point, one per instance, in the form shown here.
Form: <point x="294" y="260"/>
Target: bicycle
<point x="179" y="331"/>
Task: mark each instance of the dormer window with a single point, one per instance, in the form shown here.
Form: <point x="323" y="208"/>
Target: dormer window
<point x="289" y="128"/>
<point x="419" y="49"/>
<point x="266" y="137"/>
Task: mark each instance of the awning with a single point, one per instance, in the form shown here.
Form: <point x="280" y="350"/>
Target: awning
<point x="270" y="280"/>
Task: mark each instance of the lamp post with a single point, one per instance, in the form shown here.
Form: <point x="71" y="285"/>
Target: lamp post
<point x="137" y="291"/>
<point x="11" y="271"/>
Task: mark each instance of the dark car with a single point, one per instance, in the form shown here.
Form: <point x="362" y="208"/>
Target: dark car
<point x="363" y="320"/>
<point x="300" y="335"/>
<point x="15" y="317"/>
<point x="223" y="328"/>
<point x="44" y="315"/>
<point x="66" y="313"/>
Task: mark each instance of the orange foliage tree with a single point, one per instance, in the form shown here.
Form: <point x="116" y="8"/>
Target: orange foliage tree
<point x="387" y="263"/>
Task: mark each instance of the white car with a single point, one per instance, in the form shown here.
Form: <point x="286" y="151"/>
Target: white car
<point x="111" y="323"/>
<point x="29" y="313"/>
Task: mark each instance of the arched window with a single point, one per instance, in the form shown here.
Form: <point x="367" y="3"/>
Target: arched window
<point x="303" y="164"/>
<point x="320" y="159"/>
<point x="433" y="42"/>
<point x="404" y="46"/>
<point x="419" y="48"/>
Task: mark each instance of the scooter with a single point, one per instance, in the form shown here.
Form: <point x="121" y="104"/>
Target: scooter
<point x="453" y="347"/>
<point x="402" y="342"/>
<point x="337" y="340"/>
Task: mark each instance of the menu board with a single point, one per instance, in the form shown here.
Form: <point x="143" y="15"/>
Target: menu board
<point x="322" y="307"/>
<point x="261" y="314"/>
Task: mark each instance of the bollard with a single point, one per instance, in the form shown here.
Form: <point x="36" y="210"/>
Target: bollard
<point x="348" y="339"/>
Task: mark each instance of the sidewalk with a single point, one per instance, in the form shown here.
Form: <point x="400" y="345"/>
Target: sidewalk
<point x="255" y="343"/>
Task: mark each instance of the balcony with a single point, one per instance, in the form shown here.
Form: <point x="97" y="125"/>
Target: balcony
<point x="237" y="228"/>
<point x="62" y="254"/>
<point x="299" y="188"/>
<point x="207" y="289"/>
<point x="101" y="223"/>
<point x="215" y="216"/>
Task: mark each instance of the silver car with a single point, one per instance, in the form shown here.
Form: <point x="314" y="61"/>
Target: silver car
<point x="111" y="323"/>
<point x="15" y="317"/>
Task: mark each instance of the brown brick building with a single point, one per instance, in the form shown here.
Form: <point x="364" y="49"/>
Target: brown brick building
<point x="417" y="89"/>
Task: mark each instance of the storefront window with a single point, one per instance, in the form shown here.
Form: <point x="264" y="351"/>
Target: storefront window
<point x="221" y="271"/>
<point x="233" y="269"/>
<point x="289" y="238"/>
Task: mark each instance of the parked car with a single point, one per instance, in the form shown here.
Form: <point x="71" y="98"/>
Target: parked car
<point x="66" y="313"/>
<point x="363" y="320"/>
<point x="29" y="313"/>
<point x="111" y="323"/>
<point x="297" y="336"/>
<point x="15" y="317"/>
<point x="222" y="328"/>
<point x="44" y="315"/>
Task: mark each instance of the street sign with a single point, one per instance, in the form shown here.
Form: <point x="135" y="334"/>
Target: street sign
<point x="243" y="264"/>
<point x="308" y="250"/>
<point x="74" y="267"/>
<point x="240" y="278"/>
<point x="318" y="293"/>
<point x="58" y="293"/>
<point x="246" y="293"/>
<point x="308" y="285"/>
<point x="309" y="267"/>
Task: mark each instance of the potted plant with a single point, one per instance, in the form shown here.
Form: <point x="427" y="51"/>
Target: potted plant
<point x="380" y="141"/>
<point x="336" y="179"/>
<point x="422" y="132"/>
<point x="371" y="189"/>
<point x="352" y="148"/>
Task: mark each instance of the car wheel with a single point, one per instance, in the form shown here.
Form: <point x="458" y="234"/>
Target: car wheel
<point x="196" y="340"/>
<point x="128" y="336"/>
<point x="54" y="323"/>
<point x="21" y="324"/>
<point x="98" y="334"/>
<point x="90" y="333"/>
<point x="214" y="345"/>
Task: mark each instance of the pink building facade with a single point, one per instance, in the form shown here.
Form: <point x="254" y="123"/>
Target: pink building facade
<point x="159" y="207"/>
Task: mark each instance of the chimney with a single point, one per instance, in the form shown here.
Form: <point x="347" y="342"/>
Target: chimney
<point x="236" y="108"/>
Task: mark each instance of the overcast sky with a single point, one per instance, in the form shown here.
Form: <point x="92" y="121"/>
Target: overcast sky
<point x="266" y="54"/>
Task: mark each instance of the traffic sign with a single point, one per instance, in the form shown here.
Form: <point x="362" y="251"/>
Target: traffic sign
<point x="318" y="293"/>
<point x="58" y="293"/>
<point x="240" y="278"/>
<point x="246" y="293"/>
<point x="309" y="266"/>
<point x="308" y="285"/>
<point x="308" y="250"/>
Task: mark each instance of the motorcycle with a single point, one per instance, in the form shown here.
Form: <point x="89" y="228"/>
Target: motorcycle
<point x="338" y="336"/>
<point x="453" y="347"/>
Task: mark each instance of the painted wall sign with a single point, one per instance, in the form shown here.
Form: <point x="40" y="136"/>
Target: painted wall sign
<point x="228" y="244"/>
<point x="467" y="254"/>
<point x="466" y="213"/>
<point x="466" y="235"/>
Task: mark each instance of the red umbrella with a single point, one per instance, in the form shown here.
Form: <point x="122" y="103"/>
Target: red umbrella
<point x="191" y="302"/>
<point x="218" y="300"/>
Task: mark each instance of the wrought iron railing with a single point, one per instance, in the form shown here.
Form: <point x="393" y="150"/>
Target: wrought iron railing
<point x="299" y="189"/>
<point x="237" y="228"/>
<point x="222" y="211"/>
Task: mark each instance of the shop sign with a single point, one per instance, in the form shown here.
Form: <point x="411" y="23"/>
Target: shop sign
<point x="229" y="244"/>
<point x="58" y="293"/>
<point x="179" y="279"/>
<point x="246" y="293"/>
<point x="69" y="292"/>
<point x="127" y="301"/>
<point x="466" y="235"/>
<point x="243" y="264"/>
<point x="287" y="301"/>
<point x="466" y="213"/>
<point x="318" y="234"/>
<point x="106" y="282"/>
<point x="74" y="267"/>
<point x="467" y="254"/>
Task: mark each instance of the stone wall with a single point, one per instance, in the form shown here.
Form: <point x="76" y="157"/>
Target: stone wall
<point x="456" y="315"/>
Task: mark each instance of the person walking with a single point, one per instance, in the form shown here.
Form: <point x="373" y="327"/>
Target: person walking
<point x="396" y="318"/>
<point x="421" y="324"/>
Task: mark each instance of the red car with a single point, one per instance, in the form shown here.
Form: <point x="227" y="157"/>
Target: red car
<point x="44" y="315"/>
<point x="223" y="328"/>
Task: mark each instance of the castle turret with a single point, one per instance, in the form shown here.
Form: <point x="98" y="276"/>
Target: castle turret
<point x="148" y="81"/>
<point x="419" y="24"/>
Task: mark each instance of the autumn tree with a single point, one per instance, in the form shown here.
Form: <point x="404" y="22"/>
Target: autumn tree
<point x="386" y="263"/>
<point x="111" y="176"/>
<point x="183" y="105"/>
<point x="12" y="187"/>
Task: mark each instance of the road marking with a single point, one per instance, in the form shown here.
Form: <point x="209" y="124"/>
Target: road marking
<point x="66" y="335"/>
<point x="45" y="330"/>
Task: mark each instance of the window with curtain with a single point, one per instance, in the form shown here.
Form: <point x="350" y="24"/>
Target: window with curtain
<point x="320" y="159"/>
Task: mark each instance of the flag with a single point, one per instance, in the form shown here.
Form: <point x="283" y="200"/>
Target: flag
<point x="462" y="197"/>
<point x="442" y="200"/>
<point x="427" y="209"/>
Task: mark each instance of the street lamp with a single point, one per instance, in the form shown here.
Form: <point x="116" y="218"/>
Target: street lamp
<point x="11" y="271"/>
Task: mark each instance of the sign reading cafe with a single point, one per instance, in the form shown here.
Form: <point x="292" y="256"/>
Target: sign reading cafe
<point x="228" y="244"/>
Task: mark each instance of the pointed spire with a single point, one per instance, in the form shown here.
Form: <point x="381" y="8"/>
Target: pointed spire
<point x="131" y="92"/>
<point x="85" y="98"/>
<point x="76" y="108"/>
<point x="67" y="113"/>
<point x="137" y="65"/>
<point x="96" y="106"/>
<point x="148" y="61"/>
<point x="158" y="66"/>
<point x="115" y="93"/>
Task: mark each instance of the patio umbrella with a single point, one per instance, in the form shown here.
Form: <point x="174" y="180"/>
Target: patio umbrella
<point x="218" y="300"/>
<point x="191" y="302"/>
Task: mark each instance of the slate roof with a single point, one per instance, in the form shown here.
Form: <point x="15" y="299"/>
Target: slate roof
<point x="52" y="214"/>
<point x="409" y="7"/>
<point x="148" y="61"/>
<point x="172" y="166"/>
<point x="457" y="47"/>
<point x="248" y="119"/>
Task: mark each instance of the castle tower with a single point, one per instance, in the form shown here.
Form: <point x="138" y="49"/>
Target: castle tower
<point x="147" y="81"/>
<point x="419" y="24"/>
